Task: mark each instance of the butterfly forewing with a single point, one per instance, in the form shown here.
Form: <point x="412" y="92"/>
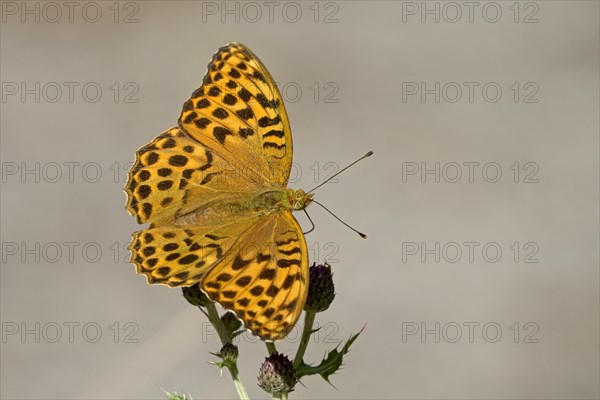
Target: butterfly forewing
<point x="239" y="106"/>
<point x="174" y="175"/>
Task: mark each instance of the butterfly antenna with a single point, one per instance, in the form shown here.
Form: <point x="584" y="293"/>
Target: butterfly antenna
<point x="362" y="235"/>
<point x="342" y="170"/>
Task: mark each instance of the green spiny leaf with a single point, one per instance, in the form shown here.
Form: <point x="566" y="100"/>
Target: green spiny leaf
<point x="330" y="364"/>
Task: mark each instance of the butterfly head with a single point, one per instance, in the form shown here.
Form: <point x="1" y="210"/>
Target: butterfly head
<point x="299" y="199"/>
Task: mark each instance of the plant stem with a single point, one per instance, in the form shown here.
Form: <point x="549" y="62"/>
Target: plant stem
<point x="214" y="318"/>
<point x="271" y="347"/>
<point x="282" y="396"/>
<point x="225" y="336"/>
<point x="309" y="320"/>
<point x="233" y="370"/>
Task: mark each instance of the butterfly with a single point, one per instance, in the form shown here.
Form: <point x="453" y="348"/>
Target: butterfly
<point x="214" y="190"/>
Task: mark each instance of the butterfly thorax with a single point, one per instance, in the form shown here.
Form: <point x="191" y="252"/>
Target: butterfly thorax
<point x="278" y="199"/>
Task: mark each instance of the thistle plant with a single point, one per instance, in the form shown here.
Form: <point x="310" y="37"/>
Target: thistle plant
<point x="278" y="374"/>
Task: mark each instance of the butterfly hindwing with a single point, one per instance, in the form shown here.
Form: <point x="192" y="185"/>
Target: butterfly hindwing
<point x="257" y="268"/>
<point x="239" y="110"/>
<point x="264" y="280"/>
<point x="181" y="256"/>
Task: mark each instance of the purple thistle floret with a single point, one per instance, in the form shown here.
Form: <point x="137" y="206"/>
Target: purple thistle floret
<point x="277" y="375"/>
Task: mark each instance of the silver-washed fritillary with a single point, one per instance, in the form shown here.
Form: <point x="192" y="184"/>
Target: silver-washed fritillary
<point x="214" y="190"/>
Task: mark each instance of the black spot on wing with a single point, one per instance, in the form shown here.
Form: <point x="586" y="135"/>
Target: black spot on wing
<point x="203" y="103"/>
<point x="202" y="123"/>
<point x="263" y="101"/>
<point x="243" y="302"/>
<point x="290" y="306"/>
<point x="144" y="191"/>
<point x="164" y="185"/>
<point x="244" y="94"/>
<point x="169" y="144"/>
<point x="214" y="91"/>
<point x="266" y="121"/>
<point x="269" y="312"/>
<point x="284" y="242"/>
<point x="284" y="263"/>
<point x="229" y="99"/>
<point x="295" y="250"/>
<point x="257" y="290"/>
<point x="259" y="76"/>
<point x="152" y="158"/>
<point x="289" y="281"/>
<point x="245" y="132"/>
<point x="190" y="258"/>
<point x="239" y="263"/>
<point x="147" y="209"/>
<point x="221" y="133"/>
<point x="213" y="285"/>
<point x="243" y="281"/>
<point x="224" y="277"/>
<point x="260" y="257"/>
<point x="182" y="275"/>
<point x="273" y="145"/>
<point x="165" y="172"/>
<point x="144" y="175"/>
<point x="178" y="160"/>
<point x="188" y="105"/>
<point x="268" y="273"/>
<point x="148" y="251"/>
<point x="220" y="113"/>
<point x="274" y="132"/>
<point x="245" y="113"/>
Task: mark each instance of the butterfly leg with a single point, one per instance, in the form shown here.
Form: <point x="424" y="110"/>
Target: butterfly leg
<point x="311" y="222"/>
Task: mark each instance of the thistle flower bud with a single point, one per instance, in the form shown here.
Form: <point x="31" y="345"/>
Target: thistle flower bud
<point x="277" y="375"/>
<point x="229" y="353"/>
<point x="321" y="290"/>
<point x="230" y="321"/>
<point x="195" y="296"/>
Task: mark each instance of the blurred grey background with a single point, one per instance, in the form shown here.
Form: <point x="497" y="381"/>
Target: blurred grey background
<point x="471" y="284"/>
